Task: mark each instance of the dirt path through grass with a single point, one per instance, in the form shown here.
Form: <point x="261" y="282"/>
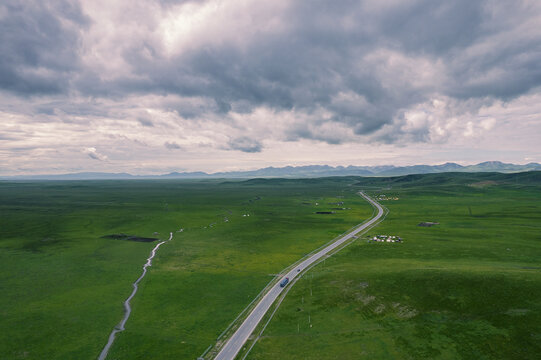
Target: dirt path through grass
<point x="127" y="308"/>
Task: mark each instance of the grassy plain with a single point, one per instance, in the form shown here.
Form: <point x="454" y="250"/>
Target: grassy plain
<point x="63" y="285"/>
<point x="468" y="288"/>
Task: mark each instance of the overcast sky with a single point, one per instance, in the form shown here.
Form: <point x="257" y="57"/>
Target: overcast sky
<point x="158" y="86"/>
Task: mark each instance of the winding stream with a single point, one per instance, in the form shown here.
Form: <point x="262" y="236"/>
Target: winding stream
<point x="127" y="308"/>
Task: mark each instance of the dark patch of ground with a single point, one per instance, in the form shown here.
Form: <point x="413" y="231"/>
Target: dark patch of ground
<point x="129" y="238"/>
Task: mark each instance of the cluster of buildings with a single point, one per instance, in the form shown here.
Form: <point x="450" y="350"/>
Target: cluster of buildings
<point x="385" y="197"/>
<point x="386" y="238"/>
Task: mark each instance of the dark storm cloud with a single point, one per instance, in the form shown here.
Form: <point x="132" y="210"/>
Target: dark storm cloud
<point x="172" y="145"/>
<point x="93" y="156"/>
<point x="434" y="27"/>
<point x="245" y="144"/>
<point x="145" y="121"/>
<point x="39" y="41"/>
<point x="321" y="57"/>
<point x="8" y="137"/>
<point x="361" y="63"/>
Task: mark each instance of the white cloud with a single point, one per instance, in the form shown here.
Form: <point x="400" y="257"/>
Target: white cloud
<point x="190" y="25"/>
<point x="235" y="83"/>
<point x="94" y="154"/>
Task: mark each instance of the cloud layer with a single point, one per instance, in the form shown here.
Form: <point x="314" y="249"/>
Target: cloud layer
<point x="149" y="79"/>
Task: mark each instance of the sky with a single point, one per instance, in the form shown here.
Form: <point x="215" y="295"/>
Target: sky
<point x="150" y="87"/>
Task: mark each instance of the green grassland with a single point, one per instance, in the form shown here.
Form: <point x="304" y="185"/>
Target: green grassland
<point x="63" y="285"/>
<point x="468" y="288"/>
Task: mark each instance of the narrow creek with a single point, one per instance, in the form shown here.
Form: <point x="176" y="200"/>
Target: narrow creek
<point x="127" y="307"/>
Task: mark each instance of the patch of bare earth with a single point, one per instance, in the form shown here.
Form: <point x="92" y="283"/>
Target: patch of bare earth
<point x="482" y="184"/>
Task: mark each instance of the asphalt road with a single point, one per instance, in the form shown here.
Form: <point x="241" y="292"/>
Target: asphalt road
<point x="235" y="343"/>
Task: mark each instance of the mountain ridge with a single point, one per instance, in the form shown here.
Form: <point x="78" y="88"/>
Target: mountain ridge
<point x="298" y="171"/>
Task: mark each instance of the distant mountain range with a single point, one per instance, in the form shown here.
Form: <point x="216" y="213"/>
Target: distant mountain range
<point x="299" y="171"/>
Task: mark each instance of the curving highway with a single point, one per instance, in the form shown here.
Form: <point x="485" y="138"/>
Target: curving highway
<point x="235" y="343"/>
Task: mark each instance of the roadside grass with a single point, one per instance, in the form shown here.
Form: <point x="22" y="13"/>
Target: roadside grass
<point x="208" y="276"/>
<point x="468" y="288"/>
<point x="63" y="285"/>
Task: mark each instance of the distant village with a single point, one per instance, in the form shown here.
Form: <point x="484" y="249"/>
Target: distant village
<point x="383" y="197"/>
<point x="386" y="238"/>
